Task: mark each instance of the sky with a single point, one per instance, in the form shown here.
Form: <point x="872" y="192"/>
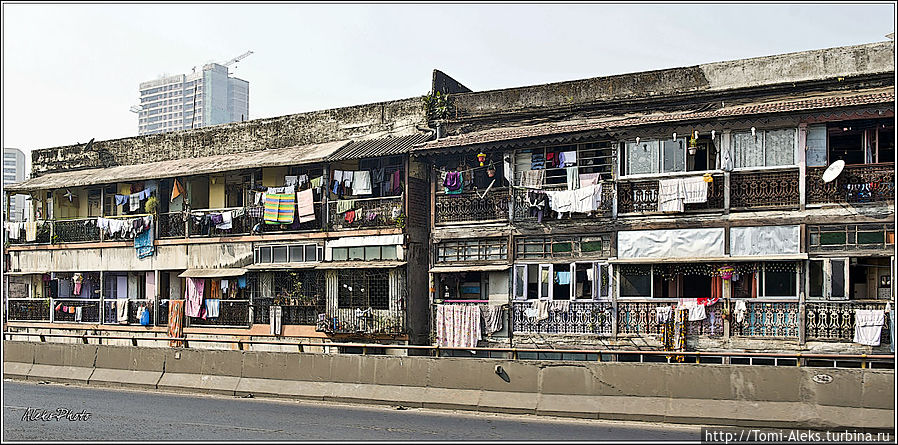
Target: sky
<point x="71" y="71"/>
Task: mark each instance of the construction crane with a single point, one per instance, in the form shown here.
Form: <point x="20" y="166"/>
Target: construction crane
<point x="237" y="59"/>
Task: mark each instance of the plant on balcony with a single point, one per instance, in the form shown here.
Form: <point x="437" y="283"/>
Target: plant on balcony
<point x="152" y="205"/>
<point x="400" y="221"/>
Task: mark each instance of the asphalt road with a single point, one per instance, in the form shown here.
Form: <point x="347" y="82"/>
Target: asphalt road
<point x="127" y="415"/>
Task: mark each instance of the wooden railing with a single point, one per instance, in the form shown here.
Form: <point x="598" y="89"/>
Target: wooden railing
<point x="754" y="189"/>
<point x="471" y="207"/>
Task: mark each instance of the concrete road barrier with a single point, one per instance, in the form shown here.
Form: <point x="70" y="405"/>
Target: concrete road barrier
<point x="738" y="395"/>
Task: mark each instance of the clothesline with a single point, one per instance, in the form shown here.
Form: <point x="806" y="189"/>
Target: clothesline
<point x="441" y="171"/>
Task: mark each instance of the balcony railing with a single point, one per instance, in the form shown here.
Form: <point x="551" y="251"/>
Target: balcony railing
<point x="296" y="226"/>
<point x="579" y="317"/>
<point x="172" y="225"/>
<point x="764" y="189"/>
<point x="362" y="321"/>
<point x="75" y="230"/>
<point x="199" y="225"/>
<point x="66" y="310"/>
<point x="768" y="318"/>
<point x="471" y="207"/>
<point x="28" y="309"/>
<point x="231" y="313"/>
<point x="367" y="213"/>
<point x="642" y="196"/>
<point x="522" y="204"/>
<point x="834" y="321"/>
<point x="856" y="184"/>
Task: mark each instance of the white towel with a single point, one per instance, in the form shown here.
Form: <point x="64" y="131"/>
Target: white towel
<point x="695" y="190"/>
<point x="662" y="314"/>
<point x="588" y="179"/>
<point x="568" y="158"/>
<point x="670" y="197"/>
<point x="361" y="181"/>
<point x="868" y="326"/>
<point x="573" y="178"/>
<point x="697" y="313"/>
<point x="121" y="307"/>
<point x="306" y="206"/>
<point x="740" y="311"/>
<point x="226" y="220"/>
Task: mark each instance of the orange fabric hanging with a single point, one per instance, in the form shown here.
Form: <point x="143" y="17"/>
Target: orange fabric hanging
<point x="175" y="322"/>
<point x="176" y="190"/>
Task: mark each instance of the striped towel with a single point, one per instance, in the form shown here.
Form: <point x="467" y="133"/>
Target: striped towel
<point x="279" y="208"/>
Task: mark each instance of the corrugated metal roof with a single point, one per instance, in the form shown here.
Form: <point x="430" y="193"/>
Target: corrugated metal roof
<point x="506" y="134"/>
<point x="379" y="147"/>
<point x="182" y="167"/>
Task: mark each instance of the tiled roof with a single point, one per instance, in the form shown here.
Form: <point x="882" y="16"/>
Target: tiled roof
<point x="509" y="133"/>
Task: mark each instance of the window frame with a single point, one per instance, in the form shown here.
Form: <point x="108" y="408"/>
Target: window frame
<point x="762" y="133"/>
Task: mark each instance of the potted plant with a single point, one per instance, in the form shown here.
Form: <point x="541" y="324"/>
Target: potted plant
<point x="693" y="145"/>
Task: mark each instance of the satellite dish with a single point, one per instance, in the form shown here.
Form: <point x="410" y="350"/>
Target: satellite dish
<point x="833" y="171"/>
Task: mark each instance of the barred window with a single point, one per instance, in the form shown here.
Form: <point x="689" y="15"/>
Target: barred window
<point x="363" y="289"/>
<point x="287" y="253"/>
<point x="472" y="250"/>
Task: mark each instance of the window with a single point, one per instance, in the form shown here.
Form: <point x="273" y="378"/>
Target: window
<point x="823" y="238"/>
<point x="365" y="253"/>
<point x="293" y="253"/>
<point x="636" y="281"/>
<point x="590" y="158"/>
<point x="363" y="288"/>
<point x="764" y="148"/>
<point x="474" y="250"/>
<point x="598" y="246"/>
<point x="560" y="281"/>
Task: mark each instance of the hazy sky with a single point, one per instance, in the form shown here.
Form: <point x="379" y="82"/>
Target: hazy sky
<point x="71" y="71"/>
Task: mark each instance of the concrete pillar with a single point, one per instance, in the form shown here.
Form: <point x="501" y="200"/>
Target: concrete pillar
<point x="800" y="157"/>
<point x="725" y="145"/>
<point x="102" y="297"/>
<point x="727" y="295"/>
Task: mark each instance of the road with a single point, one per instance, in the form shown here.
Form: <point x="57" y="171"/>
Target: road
<point x="129" y="415"/>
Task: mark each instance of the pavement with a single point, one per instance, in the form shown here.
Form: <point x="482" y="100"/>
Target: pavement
<point x="137" y="415"/>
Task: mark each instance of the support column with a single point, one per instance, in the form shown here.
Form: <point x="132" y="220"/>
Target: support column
<point x="728" y="307"/>
<point x="102" y="297"/>
<point x="725" y="145"/>
<point x="800" y="157"/>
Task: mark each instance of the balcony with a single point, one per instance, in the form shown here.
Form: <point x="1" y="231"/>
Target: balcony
<point x="468" y="207"/>
<point x="522" y="204"/>
<point x="582" y="317"/>
<point x="764" y="189"/>
<point x="362" y="321"/>
<point x="641" y="196"/>
<point x="768" y="318"/>
<point x="863" y="183"/>
<point x="834" y="321"/>
<point x="368" y="213"/>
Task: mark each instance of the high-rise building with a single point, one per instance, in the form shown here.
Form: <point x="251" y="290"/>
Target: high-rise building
<point x="184" y="101"/>
<point x="14" y="171"/>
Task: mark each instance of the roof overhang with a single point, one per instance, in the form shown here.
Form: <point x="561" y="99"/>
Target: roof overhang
<point x="360" y="265"/>
<point x="728" y="259"/>
<point x="305" y="154"/>
<point x="470" y="268"/>
<point x="212" y="273"/>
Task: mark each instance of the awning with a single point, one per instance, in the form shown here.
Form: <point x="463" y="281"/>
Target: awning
<point x="282" y="266"/>
<point x="304" y="154"/>
<point x="212" y="273"/>
<point x="733" y="259"/>
<point x="373" y="240"/>
<point x="360" y="264"/>
<point x="475" y="268"/>
<point x="25" y="273"/>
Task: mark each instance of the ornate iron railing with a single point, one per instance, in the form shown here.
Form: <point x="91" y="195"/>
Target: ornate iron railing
<point x="75" y="230"/>
<point x="642" y="196"/>
<point x="521" y="204"/>
<point x="367" y="213"/>
<point x="834" y="321"/>
<point x="856" y="184"/>
<point x="199" y="226"/>
<point x="361" y="321"/>
<point x="581" y="317"/>
<point x="470" y="207"/>
<point x="764" y="189"/>
<point x="318" y="224"/>
<point x="172" y="225"/>
<point x="28" y="309"/>
<point x="777" y="319"/>
<point x="231" y="313"/>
